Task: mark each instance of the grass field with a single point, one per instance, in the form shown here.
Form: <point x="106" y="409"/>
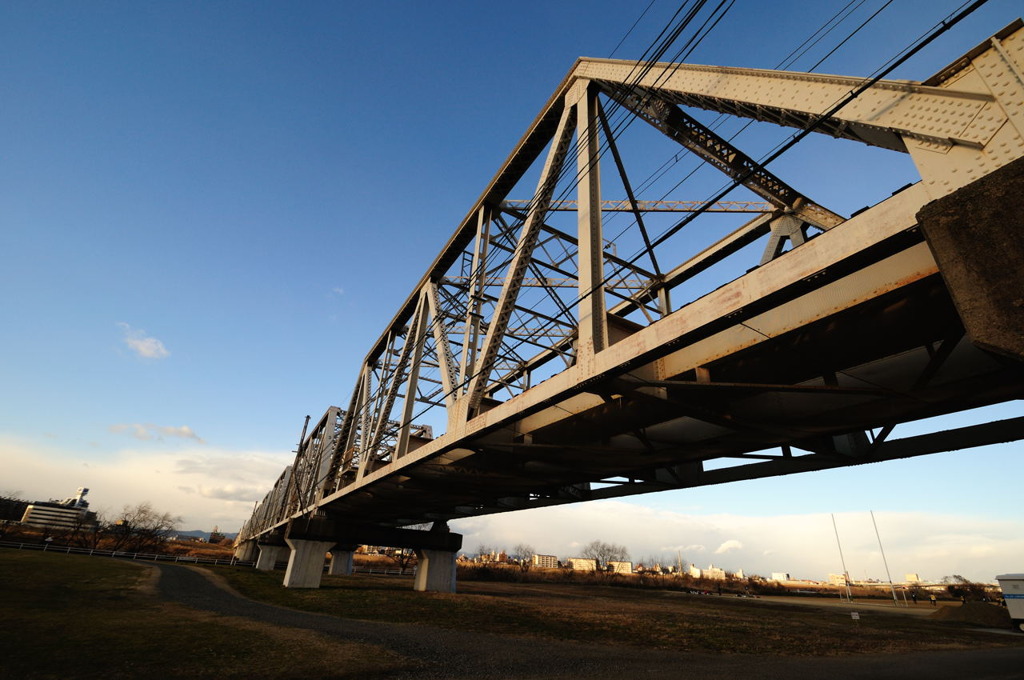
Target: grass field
<point x="624" y="616"/>
<point x="70" y="616"/>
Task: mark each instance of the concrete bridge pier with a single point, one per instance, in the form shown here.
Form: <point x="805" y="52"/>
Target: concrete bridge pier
<point x="312" y="538"/>
<point x="305" y="563"/>
<point x="246" y="551"/>
<point x="341" y="560"/>
<point x="435" y="571"/>
<point x="271" y="553"/>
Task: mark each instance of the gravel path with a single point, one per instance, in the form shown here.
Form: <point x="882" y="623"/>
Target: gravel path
<point x="481" y="656"/>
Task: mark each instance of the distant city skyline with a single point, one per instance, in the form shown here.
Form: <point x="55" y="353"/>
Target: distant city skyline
<point x="208" y="213"/>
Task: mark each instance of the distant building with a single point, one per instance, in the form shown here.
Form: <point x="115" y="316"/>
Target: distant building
<point x="779" y="576"/>
<point x="695" y="572"/>
<point x="544" y="561"/>
<point x="714" y="572"/>
<point x="582" y="564"/>
<point x="911" y="578"/>
<point x="71" y="513"/>
<point x="185" y="538"/>
<point x="838" y="579"/>
<point x="621" y="567"/>
<point x="493" y="557"/>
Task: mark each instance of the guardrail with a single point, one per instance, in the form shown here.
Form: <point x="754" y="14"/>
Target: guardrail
<point x="382" y="571"/>
<point x="126" y="555"/>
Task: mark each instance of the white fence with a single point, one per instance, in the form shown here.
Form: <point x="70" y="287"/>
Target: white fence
<point x="148" y="557"/>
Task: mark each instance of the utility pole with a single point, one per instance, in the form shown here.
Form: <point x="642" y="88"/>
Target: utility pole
<point x="895" y="601"/>
<point x="846" y="574"/>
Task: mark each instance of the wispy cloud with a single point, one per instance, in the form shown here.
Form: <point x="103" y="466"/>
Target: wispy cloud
<point x="148" y="431"/>
<point x="232" y="492"/>
<point x="142" y="344"/>
<point x="731" y="544"/>
<point x="338" y="290"/>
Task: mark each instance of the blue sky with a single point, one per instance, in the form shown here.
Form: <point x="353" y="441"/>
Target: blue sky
<point x="209" y="211"/>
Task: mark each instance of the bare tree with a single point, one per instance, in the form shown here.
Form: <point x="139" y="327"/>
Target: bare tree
<point x="523" y="554"/>
<point x="86" y="531"/>
<point x="404" y="558"/>
<point x="141" y="527"/>
<point x="963" y="588"/>
<point x="603" y="553"/>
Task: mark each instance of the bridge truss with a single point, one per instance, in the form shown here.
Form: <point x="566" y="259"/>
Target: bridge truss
<point x="552" y="355"/>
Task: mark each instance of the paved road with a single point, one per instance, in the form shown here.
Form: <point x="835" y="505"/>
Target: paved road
<point x="461" y="654"/>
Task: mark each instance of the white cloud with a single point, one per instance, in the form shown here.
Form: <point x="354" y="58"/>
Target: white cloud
<point x="148" y="431"/>
<point x="143" y="345"/>
<point x="338" y="290"/>
<point x="233" y="492"/>
<point x="729" y="546"/>
<point x="205" y="486"/>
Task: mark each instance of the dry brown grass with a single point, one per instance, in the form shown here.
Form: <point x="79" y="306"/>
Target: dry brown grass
<point x="609" y="615"/>
<point x="73" y="616"/>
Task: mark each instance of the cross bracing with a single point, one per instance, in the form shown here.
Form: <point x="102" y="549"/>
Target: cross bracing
<point x="559" y="349"/>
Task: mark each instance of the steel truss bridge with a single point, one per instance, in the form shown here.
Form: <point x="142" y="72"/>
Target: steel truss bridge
<point x="542" y="360"/>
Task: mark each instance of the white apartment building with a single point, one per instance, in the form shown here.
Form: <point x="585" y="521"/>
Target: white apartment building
<point x="544" y="561"/>
<point x="582" y="564"/>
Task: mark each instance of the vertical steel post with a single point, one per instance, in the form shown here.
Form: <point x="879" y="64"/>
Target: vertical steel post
<point x="593" y="322"/>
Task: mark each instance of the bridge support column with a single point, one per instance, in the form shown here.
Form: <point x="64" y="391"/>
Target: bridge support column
<point x="974" y="234"/>
<point x="269" y="556"/>
<point x="435" y="571"/>
<point x="246" y="551"/>
<point x="341" y="561"/>
<point x="306" y="563"/>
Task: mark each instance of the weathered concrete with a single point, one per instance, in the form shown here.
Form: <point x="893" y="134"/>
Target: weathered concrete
<point x="976" y="235"/>
<point x="435" y="571"/>
<point x="306" y="563"/>
<point x="341" y="561"/>
<point x="246" y="551"/>
<point x="269" y="556"/>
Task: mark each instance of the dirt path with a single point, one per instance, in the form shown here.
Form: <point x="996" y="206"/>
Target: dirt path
<point x="460" y="654"/>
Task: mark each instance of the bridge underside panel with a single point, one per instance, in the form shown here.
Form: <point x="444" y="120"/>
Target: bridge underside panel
<point x="976" y="237"/>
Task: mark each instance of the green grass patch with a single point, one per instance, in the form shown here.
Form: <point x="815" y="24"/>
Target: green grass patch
<point x="72" y="616"/>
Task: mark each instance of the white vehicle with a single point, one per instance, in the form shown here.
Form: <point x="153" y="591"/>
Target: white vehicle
<point x="1012" y="586"/>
